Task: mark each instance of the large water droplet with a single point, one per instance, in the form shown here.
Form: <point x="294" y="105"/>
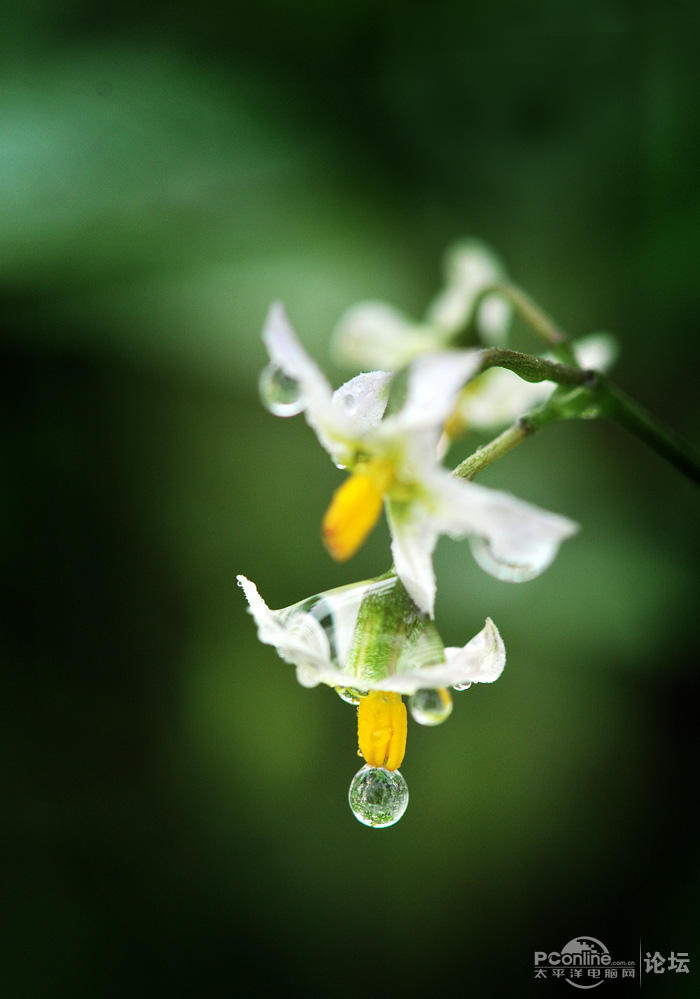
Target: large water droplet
<point x="462" y="686"/>
<point x="279" y="393"/>
<point x="378" y="797"/>
<point x="510" y="572"/>
<point x="430" y="707"/>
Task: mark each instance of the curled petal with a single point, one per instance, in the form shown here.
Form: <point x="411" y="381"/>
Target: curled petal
<point x="332" y="423"/>
<point x="511" y="539"/>
<point x="301" y="640"/>
<point x="481" y="660"/>
<point x="288" y="354"/>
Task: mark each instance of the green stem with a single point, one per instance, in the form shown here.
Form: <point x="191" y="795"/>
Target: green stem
<point x="582" y="395"/>
<point x="495" y="449"/>
<point x="618" y="406"/>
<point x="536" y="318"/>
<point x="533" y="369"/>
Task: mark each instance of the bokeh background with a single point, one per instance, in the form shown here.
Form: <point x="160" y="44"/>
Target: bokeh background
<point x="176" y="819"/>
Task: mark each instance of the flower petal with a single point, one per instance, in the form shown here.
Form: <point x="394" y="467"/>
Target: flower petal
<point x="379" y="336"/>
<point x="597" y="351"/>
<point x="413" y="540"/>
<point x="481" y="660"/>
<point x="510" y="539"/>
<point x="470" y="267"/>
<point x="434" y="383"/>
<point x="287" y="353"/>
<point x="299" y="640"/>
<point x="498" y="397"/>
<point x="363" y="399"/>
<point x="332" y="424"/>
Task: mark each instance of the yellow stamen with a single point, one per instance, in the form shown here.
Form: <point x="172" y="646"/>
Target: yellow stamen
<point x="381" y="729"/>
<point x="355" y="509"/>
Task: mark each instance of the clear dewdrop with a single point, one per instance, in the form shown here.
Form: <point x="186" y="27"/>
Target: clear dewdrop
<point x="280" y="394"/>
<point x="509" y="572"/>
<point x="378" y="797"/>
<point x="430" y="707"/>
<point x="351" y="695"/>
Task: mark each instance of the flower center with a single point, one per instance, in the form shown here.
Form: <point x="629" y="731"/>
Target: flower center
<point x="355" y="508"/>
<point x="381" y="729"/>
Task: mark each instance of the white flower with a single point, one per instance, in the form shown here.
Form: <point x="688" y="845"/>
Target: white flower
<point x="377" y="335"/>
<point x="317" y="635"/>
<point x="393" y="459"/>
<point x="373" y="645"/>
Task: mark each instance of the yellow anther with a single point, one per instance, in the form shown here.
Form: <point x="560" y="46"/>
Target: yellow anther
<point x="381" y="729"/>
<point x="355" y="509"/>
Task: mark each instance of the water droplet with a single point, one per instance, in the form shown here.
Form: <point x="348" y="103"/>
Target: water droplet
<point x="430" y="707"/>
<point x="378" y="797"/>
<point x="462" y="686"/>
<point x="510" y="572"/>
<point x="350" y="695"/>
<point x="279" y="393"/>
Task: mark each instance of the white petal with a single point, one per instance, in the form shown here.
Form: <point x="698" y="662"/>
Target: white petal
<point x="510" y="539"/>
<point x="332" y="425"/>
<point x="471" y="264"/>
<point x="413" y="540"/>
<point x="434" y="383"/>
<point x="287" y="353"/>
<point x="377" y="335"/>
<point x="481" y="660"/>
<point x="493" y="320"/>
<point x="597" y="352"/>
<point x="363" y="399"/>
<point x="299" y="640"/>
<point x="498" y="397"/>
<point x="470" y="267"/>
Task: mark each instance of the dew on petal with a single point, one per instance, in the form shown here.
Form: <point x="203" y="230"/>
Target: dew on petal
<point x="462" y="686"/>
<point x="506" y="571"/>
<point x="378" y="797"/>
<point x="351" y="695"/>
<point x="430" y="706"/>
<point x="280" y="394"/>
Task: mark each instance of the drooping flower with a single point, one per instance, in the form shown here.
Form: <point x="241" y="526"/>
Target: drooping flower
<point x="392" y="460"/>
<point x="372" y="644"/>
<point x="378" y="335"/>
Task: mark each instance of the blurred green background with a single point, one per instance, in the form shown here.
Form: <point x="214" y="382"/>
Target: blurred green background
<point x="176" y="819"/>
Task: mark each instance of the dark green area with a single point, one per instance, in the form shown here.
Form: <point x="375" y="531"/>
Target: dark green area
<point x="176" y="819"/>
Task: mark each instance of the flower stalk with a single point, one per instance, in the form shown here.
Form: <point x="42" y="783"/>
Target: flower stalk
<point x="591" y="396"/>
